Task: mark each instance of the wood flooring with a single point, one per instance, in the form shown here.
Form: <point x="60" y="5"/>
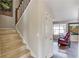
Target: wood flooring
<point x="11" y="45"/>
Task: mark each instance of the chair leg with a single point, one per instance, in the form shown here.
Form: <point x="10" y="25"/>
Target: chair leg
<point x="69" y="44"/>
<point x="58" y="44"/>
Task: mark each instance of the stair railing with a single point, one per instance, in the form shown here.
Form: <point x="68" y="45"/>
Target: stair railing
<point x="21" y="8"/>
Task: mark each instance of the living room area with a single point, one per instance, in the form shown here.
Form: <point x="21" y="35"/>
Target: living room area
<point x="65" y="38"/>
<point x="65" y="28"/>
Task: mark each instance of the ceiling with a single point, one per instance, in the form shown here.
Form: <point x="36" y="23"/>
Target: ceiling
<point x="63" y="10"/>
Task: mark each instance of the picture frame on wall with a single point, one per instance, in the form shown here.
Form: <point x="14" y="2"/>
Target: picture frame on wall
<point x="6" y="7"/>
<point x="73" y="28"/>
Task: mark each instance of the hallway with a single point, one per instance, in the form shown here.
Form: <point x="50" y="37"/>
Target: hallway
<point x="11" y="45"/>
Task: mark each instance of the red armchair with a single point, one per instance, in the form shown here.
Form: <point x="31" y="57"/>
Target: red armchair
<point x="64" y="41"/>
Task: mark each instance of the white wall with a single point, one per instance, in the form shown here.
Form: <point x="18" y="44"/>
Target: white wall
<point x="74" y="37"/>
<point x="6" y="22"/>
<point x="16" y="3"/>
<point x="35" y="27"/>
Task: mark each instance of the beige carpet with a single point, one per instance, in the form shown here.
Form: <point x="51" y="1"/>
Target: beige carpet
<point x="11" y="45"/>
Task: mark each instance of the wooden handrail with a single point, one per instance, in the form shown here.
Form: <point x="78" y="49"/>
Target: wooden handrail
<point x="21" y="8"/>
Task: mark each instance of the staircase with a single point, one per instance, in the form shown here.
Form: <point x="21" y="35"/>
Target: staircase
<point x="11" y="45"/>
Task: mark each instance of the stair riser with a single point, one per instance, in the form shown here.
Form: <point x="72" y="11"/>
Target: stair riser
<point x="8" y="35"/>
<point x="10" y="41"/>
<point x="17" y="53"/>
<point x="4" y="51"/>
<point x="7" y="31"/>
<point x="13" y="45"/>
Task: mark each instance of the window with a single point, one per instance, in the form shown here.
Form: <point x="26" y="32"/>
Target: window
<point x="59" y="29"/>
